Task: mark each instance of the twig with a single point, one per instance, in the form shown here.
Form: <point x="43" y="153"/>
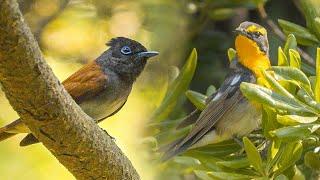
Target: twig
<point x="264" y="16"/>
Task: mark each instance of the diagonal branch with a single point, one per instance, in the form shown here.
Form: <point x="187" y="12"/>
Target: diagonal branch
<point x="264" y="16"/>
<point x="48" y="110"/>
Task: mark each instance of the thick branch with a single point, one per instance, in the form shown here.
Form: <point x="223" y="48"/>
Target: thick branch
<point x="51" y="114"/>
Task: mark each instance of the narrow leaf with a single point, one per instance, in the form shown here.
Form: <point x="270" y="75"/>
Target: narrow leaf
<point x="317" y="86"/>
<point x="188" y="161"/>
<point x="295" y="119"/>
<point x="281" y="177"/>
<point x="291" y="43"/>
<point x="210" y="90"/>
<point x="176" y="88"/>
<point x="253" y="155"/>
<point x="291" y="153"/>
<point x="282" y="59"/>
<point x="293" y="75"/>
<point x="235" y="164"/>
<point x="303" y="35"/>
<point x="203" y="175"/>
<point x="295" y="60"/>
<point x="268" y="97"/>
<point x="230" y="176"/>
<point x="291" y="133"/>
<point x="231" y="54"/>
<point x="197" y="99"/>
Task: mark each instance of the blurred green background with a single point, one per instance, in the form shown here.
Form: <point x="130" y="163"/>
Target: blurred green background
<point x="72" y="33"/>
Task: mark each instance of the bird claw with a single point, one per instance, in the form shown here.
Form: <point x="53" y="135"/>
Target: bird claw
<point x="113" y="138"/>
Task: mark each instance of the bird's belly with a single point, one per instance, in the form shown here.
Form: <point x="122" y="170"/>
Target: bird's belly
<point x="104" y="105"/>
<point x="244" y="118"/>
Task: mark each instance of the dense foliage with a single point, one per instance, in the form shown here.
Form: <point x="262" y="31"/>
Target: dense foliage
<point x="287" y="145"/>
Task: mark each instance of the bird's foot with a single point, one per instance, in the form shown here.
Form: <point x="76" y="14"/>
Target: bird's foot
<point x="113" y="138"/>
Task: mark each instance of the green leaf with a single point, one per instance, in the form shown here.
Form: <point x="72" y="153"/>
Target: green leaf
<point x="305" y="97"/>
<point x="291" y="133"/>
<point x="235" y="164"/>
<point x="173" y="74"/>
<point x="229" y="176"/>
<point x="214" y="150"/>
<point x="210" y="90"/>
<point x="232" y="53"/>
<point x="268" y="97"/>
<point x="151" y="142"/>
<point x="294" y="76"/>
<point x="253" y="155"/>
<point x="269" y="121"/>
<point x="312" y="160"/>
<point x="317" y="86"/>
<point x="176" y="88"/>
<point x="317" y="24"/>
<point x="282" y="59"/>
<point x="311" y="10"/>
<point x="295" y="60"/>
<point x="281" y="177"/>
<point x="276" y="86"/>
<point x="291" y="153"/>
<point x="202" y="175"/>
<point x="274" y="153"/>
<point x="188" y="161"/>
<point x="295" y="119"/>
<point x="197" y="99"/>
<point x="291" y="43"/>
<point x="303" y="35"/>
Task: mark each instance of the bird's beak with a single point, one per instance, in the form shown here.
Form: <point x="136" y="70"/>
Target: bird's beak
<point x="239" y="30"/>
<point x="148" y="54"/>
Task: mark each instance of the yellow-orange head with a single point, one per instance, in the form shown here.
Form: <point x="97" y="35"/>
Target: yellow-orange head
<point x="252" y="47"/>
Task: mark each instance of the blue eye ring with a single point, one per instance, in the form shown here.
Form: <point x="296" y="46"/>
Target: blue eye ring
<point x="126" y="50"/>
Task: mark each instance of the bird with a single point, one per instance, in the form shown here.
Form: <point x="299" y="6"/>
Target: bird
<point x="101" y="87"/>
<point x="228" y="114"/>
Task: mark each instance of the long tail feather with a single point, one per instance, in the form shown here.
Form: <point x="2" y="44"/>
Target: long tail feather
<point x="5" y="135"/>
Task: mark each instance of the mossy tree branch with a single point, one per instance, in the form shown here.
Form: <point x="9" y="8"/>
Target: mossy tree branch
<point x="48" y="110"/>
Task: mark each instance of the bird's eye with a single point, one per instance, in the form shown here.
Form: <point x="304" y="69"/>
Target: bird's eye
<point x="258" y="34"/>
<point x="126" y="50"/>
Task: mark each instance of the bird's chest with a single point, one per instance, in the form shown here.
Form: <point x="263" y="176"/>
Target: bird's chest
<point x="108" y="101"/>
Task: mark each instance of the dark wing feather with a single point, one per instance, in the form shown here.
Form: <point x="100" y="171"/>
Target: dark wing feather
<point x="87" y="82"/>
<point x="222" y="102"/>
<point x="190" y="119"/>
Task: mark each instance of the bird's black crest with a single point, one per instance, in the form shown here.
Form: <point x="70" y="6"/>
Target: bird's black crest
<point x="113" y="41"/>
<point x="121" y="40"/>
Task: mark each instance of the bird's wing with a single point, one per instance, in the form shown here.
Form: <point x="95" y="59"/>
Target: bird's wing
<point x="190" y="119"/>
<point x="222" y="102"/>
<point x="87" y="82"/>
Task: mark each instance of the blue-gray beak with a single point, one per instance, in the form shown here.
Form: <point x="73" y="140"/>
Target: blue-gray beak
<point x="148" y="54"/>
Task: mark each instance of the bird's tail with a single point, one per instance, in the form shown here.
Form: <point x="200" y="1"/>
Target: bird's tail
<point x="12" y="129"/>
<point x="5" y="135"/>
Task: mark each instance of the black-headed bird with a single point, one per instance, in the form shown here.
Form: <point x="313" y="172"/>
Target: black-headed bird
<point x="228" y="113"/>
<point x="101" y="87"/>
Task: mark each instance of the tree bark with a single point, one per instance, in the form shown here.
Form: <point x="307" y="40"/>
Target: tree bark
<point x="48" y="110"/>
